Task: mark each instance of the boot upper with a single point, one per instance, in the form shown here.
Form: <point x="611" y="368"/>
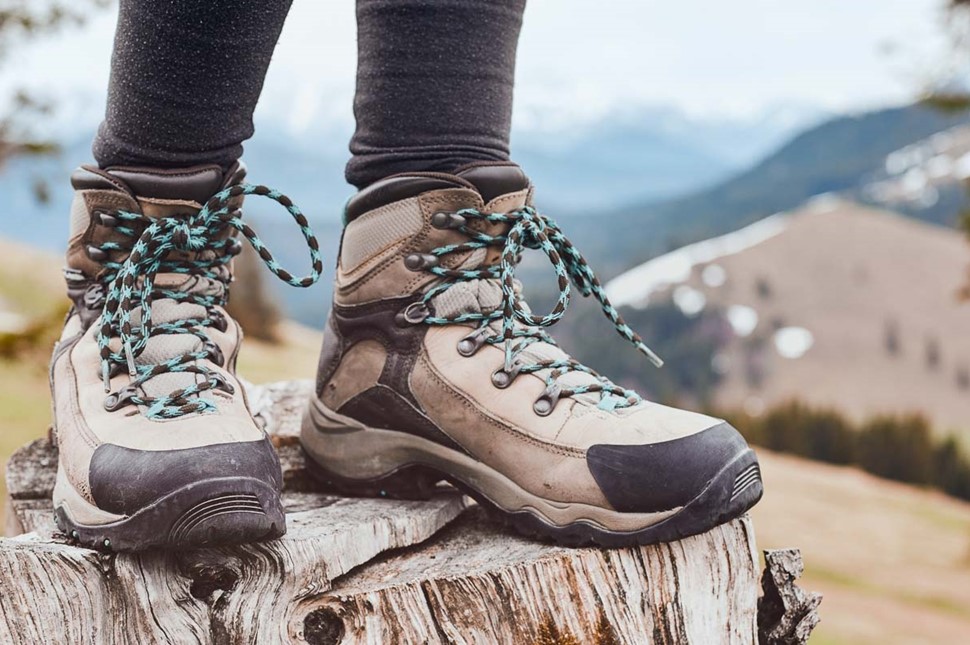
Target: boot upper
<point x="385" y="364"/>
<point x="126" y="439"/>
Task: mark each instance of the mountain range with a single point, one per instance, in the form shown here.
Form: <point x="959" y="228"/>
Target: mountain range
<point x="843" y="155"/>
<point x="643" y="154"/>
<point x="639" y="154"/>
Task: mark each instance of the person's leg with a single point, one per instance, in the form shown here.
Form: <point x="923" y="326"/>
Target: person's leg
<point x="434" y="85"/>
<point x="157" y="444"/>
<point x="185" y="78"/>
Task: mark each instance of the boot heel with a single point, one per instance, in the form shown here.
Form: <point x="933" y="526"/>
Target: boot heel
<point x="408" y="483"/>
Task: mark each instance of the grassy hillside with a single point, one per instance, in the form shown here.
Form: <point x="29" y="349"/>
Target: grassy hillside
<point x="30" y="285"/>
<point x="893" y="561"/>
<point x="877" y="293"/>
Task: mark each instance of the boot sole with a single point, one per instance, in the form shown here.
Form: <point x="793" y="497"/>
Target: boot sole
<point x="212" y="512"/>
<point x="357" y="460"/>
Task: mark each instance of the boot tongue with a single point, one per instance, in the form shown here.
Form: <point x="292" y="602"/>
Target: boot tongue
<point x="493" y="181"/>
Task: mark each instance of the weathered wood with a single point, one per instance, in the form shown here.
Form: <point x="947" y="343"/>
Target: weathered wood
<point x="55" y="592"/>
<point x="366" y="571"/>
<point x="786" y="613"/>
<point x="477" y="583"/>
<point x="52" y="591"/>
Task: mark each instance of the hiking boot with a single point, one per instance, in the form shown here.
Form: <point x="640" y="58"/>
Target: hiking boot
<point x="157" y="443"/>
<point x="433" y="368"/>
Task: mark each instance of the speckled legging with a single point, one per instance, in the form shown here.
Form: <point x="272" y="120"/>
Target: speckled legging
<point x="434" y="82"/>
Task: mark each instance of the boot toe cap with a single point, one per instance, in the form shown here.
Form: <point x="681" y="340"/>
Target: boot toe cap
<point x="126" y="480"/>
<point x="662" y="476"/>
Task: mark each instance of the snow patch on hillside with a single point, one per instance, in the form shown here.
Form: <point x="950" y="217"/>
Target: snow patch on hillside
<point x="913" y="175"/>
<point x="634" y="287"/>
<point x="793" y="342"/>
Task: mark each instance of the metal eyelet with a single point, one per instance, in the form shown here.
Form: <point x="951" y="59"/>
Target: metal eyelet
<point x="96" y="254"/>
<point x="420" y="261"/>
<point x="502" y="378"/>
<point x="546" y="403"/>
<point x="219" y="382"/>
<point x="234" y="247"/>
<point x="447" y="220"/>
<point x="219" y="321"/>
<point x="214" y="352"/>
<point x="413" y="314"/>
<point x="119" y="399"/>
<point x="105" y="219"/>
<point x="94" y="296"/>
<point x="471" y="343"/>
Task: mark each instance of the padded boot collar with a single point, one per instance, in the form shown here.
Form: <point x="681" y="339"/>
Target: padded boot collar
<point x="197" y="183"/>
<point x="489" y="179"/>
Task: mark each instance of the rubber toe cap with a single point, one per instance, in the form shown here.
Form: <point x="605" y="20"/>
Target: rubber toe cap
<point x="126" y="480"/>
<point x="662" y="476"/>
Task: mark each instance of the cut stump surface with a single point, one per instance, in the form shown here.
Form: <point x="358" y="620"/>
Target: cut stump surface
<point x="365" y="571"/>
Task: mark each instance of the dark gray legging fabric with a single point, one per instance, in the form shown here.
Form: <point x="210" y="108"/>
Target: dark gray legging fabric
<point x="185" y="77"/>
<point x="434" y="82"/>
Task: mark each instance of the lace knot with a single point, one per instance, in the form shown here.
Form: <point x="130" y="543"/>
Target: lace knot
<point x="132" y="286"/>
<point x="184" y="238"/>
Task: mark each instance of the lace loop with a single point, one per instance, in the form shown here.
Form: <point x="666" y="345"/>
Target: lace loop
<point x="201" y="249"/>
<point x="526" y="228"/>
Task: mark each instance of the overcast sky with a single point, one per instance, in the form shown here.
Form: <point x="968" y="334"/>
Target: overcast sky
<point x="579" y="59"/>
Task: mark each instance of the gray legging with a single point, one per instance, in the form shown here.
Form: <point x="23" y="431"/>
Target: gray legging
<point x="434" y="82"/>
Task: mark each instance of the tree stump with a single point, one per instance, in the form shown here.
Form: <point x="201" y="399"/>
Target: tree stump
<point x="365" y="571"/>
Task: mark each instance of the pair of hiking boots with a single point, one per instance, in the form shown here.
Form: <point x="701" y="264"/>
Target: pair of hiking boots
<point x="433" y="368"/>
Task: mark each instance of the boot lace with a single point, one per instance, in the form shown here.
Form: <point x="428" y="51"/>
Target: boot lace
<point x="197" y="246"/>
<point x="519" y="327"/>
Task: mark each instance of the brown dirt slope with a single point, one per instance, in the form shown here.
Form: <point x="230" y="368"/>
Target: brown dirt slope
<point x="893" y="561"/>
<point x="852" y="276"/>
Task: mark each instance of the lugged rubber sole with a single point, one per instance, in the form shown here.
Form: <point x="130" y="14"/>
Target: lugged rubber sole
<point x="212" y="512"/>
<point x="399" y="465"/>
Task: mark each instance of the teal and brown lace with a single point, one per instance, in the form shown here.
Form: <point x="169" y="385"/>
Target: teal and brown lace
<point x="193" y="245"/>
<point x="525" y="228"/>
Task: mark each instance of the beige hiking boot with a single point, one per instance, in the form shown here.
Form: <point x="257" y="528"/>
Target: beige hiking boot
<point x="434" y="369"/>
<point x="157" y="443"/>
